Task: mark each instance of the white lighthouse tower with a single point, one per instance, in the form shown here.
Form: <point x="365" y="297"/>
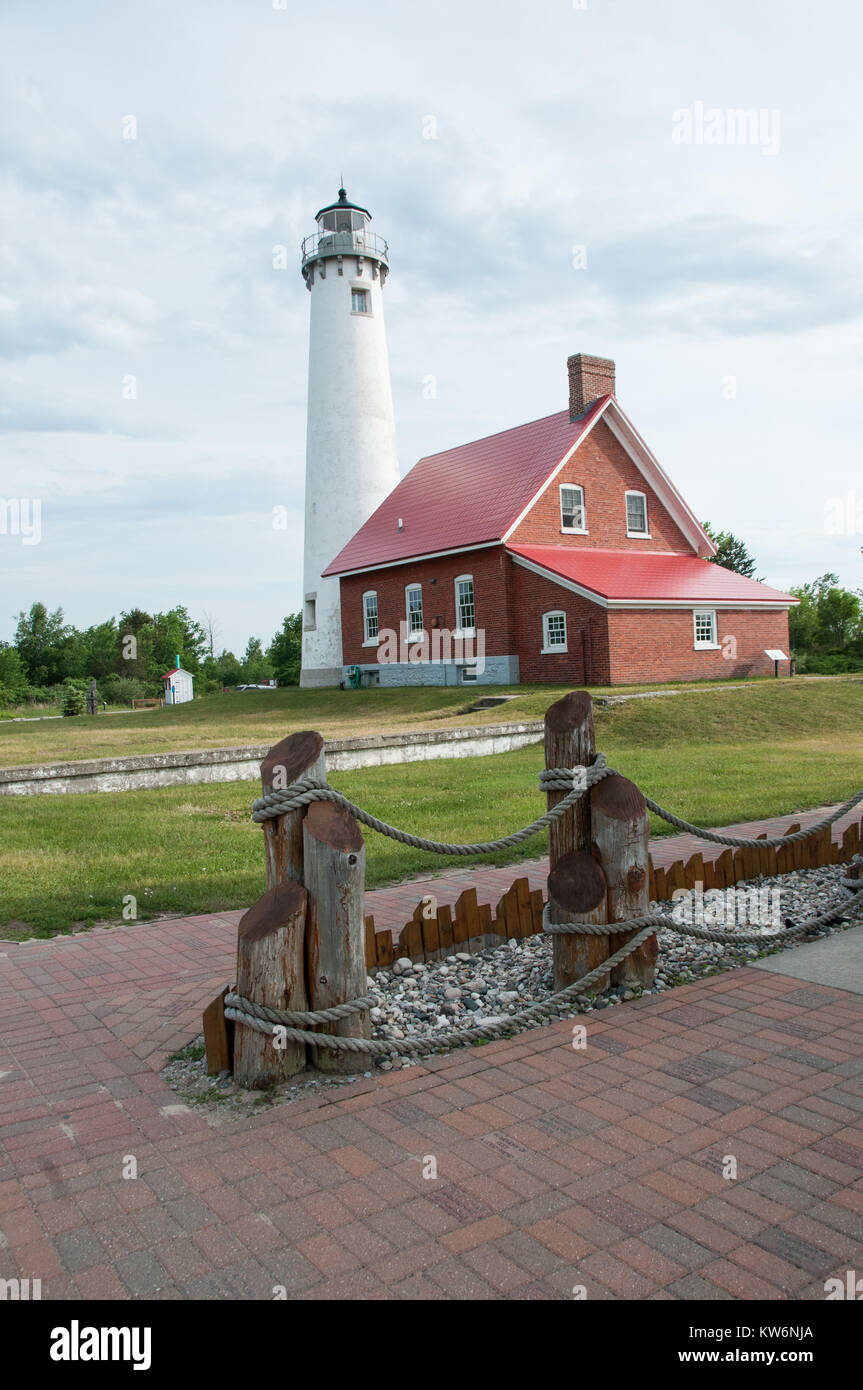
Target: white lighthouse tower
<point x="351" y="460"/>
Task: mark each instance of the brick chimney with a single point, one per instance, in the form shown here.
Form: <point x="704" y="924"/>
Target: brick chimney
<point x="589" y="378"/>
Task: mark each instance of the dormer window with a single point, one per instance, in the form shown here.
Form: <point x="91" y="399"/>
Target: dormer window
<point x="636" y="514"/>
<point x="572" y="514"/>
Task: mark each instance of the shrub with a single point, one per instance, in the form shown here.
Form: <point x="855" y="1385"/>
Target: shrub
<point x="122" y="690"/>
<point x="74" y="700"/>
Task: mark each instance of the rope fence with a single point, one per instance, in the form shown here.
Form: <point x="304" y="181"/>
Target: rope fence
<point x="300" y="1026"/>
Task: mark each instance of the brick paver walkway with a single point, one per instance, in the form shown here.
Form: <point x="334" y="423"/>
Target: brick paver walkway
<point x="556" y="1167"/>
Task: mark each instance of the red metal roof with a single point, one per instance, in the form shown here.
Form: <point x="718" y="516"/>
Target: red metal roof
<point x="627" y="574"/>
<point x="466" y="496"/>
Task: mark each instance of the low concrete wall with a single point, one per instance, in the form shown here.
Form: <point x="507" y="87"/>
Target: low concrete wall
<point x="243" y="764"/>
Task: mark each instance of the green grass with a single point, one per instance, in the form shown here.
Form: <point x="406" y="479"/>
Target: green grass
<point x="777" y="748"/>
<point x="259" y="716"/>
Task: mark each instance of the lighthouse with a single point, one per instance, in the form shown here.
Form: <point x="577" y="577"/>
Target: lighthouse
<point x="351" y="459"/>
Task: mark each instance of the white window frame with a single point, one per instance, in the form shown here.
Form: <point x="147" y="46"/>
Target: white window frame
<point x="459" y="630"/>
<point x="414" y="589"/>
<point x="369" y="640"/>
<point x="573" y="530"/>
<point x="699" y="644"/>
<point x="638" y="535"/>
<point x="366" y="292"/>
<point x="549" y="648"/>
<point x="310" y="612"/>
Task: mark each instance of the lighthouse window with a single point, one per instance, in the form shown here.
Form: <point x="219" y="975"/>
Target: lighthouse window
<point x="360" y="301"/>
<point x="414" y="603"/>
<point x="370" y="617"/>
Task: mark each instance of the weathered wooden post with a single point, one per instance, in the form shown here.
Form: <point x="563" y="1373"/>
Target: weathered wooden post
<point x="569" y="742"/>
<point x="334" y="869"/>
<point x="298" y="755"/>
<point x="270" y="972"/>
<point x="271" y="955"/>
<point x="578" y="889"/>
<point x="620" y="824"/>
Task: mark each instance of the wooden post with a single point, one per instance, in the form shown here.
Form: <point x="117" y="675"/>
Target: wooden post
<point x="620" y="822"/>
<point x="218" y="1036"/>
<point x="569" y="742"/>
<point x="335" y="865"/>
<point x="296" y="756"/>
<point x="578" y="892"/>
<point x="270" y="972"/>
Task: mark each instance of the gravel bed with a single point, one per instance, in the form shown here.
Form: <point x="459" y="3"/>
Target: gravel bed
<point x="463" y="990"/>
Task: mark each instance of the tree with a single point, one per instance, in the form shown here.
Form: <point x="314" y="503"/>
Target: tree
<point x="257" y="667"/>
<point x="13" y="677"/>
<point x="286" y="650"/>
<point x="212" y="632"/>
<point x="100" y="650"/>
<point x="731" y="553"/>
<point x="43" y="642"/>
<point x="827" y="620"/>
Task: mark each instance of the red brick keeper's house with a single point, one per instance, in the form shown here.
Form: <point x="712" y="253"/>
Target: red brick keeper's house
<point x="564" y="544"/>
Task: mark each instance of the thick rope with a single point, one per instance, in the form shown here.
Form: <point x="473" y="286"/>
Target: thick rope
<point x="573" y="781"/>
<point x="265" y="1020"/>
<point x="769" y="841"/>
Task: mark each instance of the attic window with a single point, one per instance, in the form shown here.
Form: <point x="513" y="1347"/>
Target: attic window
<point x="572" y="517"/>
<point x="636" y="514"/>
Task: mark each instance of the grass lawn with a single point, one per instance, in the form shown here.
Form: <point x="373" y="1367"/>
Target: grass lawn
<point x="717" y="758"/>
<point x="261" y="716"/>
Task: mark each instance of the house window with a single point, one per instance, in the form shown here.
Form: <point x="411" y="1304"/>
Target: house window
<point x="572" y="516"/>
<point x="465" y="611"/>
<point x="554" y="632"/>
<point x="360" y="302"/>
<point x="636" y="514"/>
<point x="414" y="608"/>
<point x="704" y="620"/>
<point x="468" y="674"/>
<point x="370" y="618"/>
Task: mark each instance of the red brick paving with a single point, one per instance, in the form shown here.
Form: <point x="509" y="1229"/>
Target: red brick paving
<point x="556" y="1168"/>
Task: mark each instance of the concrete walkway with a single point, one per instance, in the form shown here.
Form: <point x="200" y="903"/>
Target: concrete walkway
<point x="556" y="1167"/>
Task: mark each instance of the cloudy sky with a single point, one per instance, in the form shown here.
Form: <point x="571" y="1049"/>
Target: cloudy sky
<point x="546" y="187"/>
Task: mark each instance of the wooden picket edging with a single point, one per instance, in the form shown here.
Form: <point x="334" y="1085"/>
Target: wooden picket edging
<point x="437" y="931"/>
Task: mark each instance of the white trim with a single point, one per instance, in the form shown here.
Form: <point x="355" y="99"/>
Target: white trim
<point x="410" y="560"/>
<point x="545" y="649"/>
<point x="553" y="474"/>
<point x="720" y="605"/>
<point x="572" y="530"/>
